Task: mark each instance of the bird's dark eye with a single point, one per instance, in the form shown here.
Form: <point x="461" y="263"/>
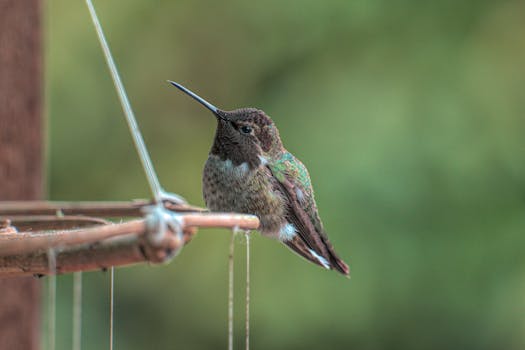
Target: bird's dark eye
<point x="245" y="129"/>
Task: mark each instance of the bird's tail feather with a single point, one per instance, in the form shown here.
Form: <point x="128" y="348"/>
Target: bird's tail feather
<point x="331" y="262"/>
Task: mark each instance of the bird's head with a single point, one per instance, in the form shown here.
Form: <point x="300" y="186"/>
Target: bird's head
<point x="243" y="135"/>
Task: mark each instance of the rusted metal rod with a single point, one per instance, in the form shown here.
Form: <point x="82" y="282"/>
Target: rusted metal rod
<point x="50" y="222"/>
<point x="98" y="247"/>
<point x="26" y="242"/>
<point x="118" y="251"/>
<point x="94" y="209"/>
<point x="221" y="220"/>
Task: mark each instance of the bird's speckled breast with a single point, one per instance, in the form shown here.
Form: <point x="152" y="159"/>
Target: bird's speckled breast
<point x="240" y="189"/>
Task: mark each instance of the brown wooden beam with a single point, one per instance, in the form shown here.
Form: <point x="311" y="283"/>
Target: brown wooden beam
<point x="20" y="153"/>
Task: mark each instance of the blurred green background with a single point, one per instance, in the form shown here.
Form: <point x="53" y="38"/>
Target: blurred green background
<point x="410" y="116"/>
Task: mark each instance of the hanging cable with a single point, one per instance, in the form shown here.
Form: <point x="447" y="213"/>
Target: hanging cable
<point x="77" y="310"/>
<point x="51" y="299"/>
<point x="111" y="304"/>
<point x="230" y="290"/>
<point x="247" y="316"/>
<point x="158" y="193"/>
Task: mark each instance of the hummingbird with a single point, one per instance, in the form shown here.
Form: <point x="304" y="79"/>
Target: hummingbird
<point x="249" y="171"/>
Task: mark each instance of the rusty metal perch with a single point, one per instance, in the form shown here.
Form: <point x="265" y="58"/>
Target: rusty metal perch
<point x="83" y="239"/>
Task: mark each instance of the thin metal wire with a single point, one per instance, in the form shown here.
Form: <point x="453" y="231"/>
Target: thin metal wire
<point x="111" y="305"/>
<point x="77" y="310"/>
<point x="230" y="292"/>
<point x="151" y="175"/>
<point x="247" y="317"/>
<point x="52" y="300"/>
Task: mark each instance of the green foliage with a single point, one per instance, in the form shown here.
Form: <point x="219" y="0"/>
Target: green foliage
<point x="409" y="116"/>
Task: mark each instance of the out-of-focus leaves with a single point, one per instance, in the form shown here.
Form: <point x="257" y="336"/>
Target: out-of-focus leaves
<point x="409" y="116"/>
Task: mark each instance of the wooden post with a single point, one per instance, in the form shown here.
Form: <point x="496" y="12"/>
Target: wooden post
<point x="21" y="150"/>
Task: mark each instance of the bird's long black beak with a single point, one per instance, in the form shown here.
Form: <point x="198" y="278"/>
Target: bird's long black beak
<point x="218" y="113"/>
